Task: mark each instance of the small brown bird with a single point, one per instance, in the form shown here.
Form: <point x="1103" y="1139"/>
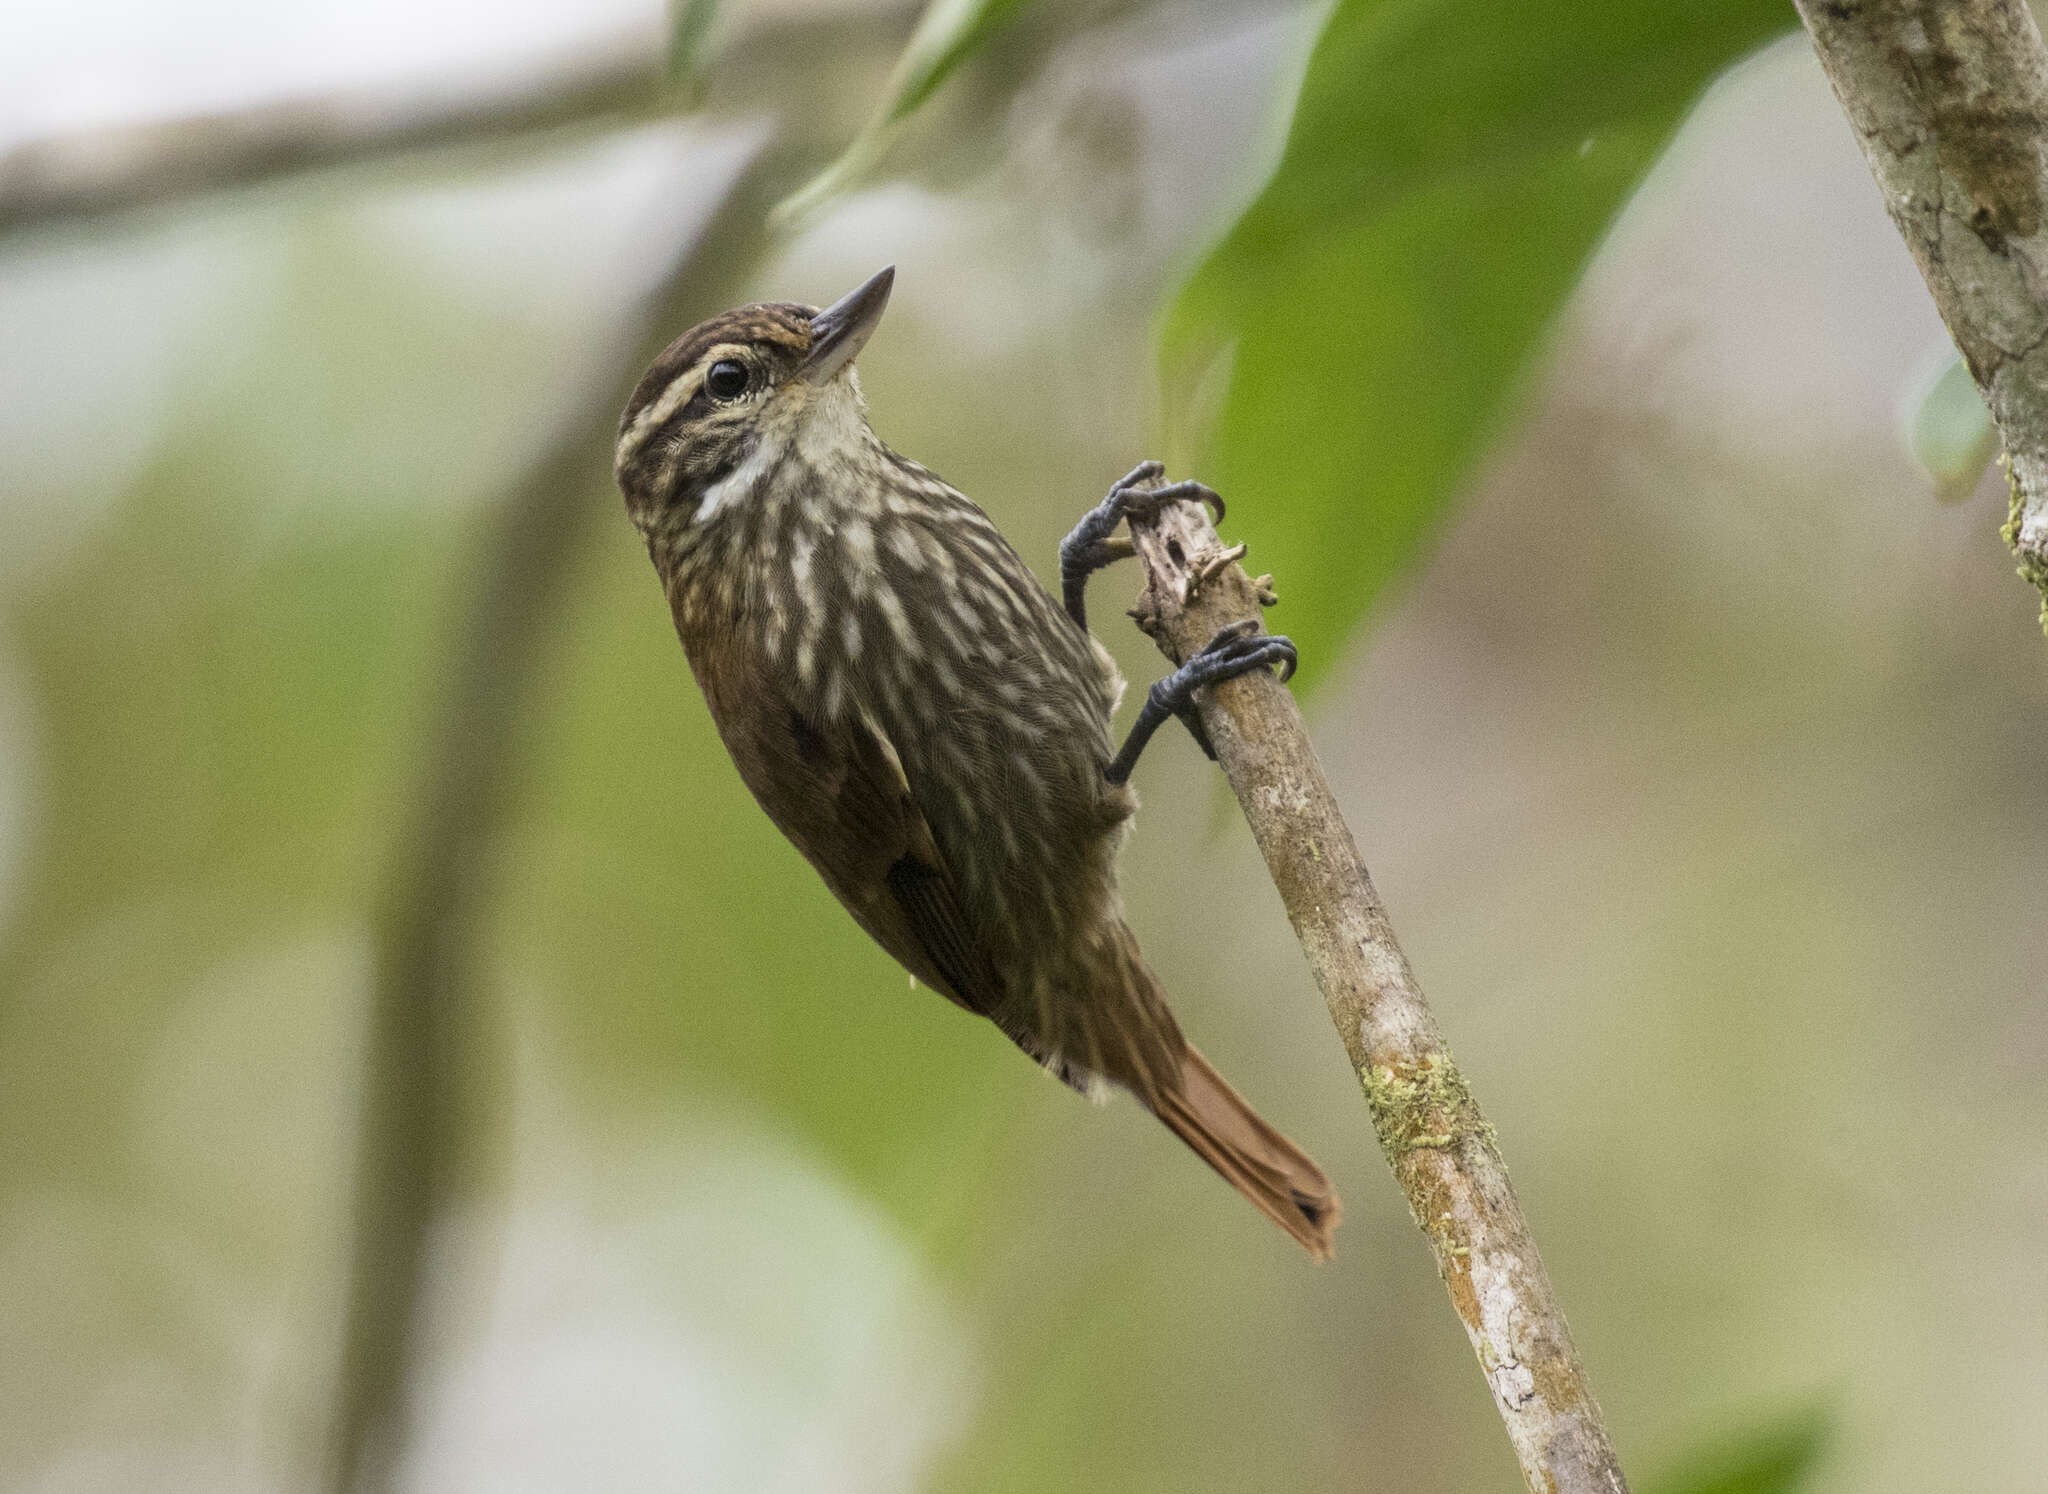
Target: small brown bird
<point x="921" y="718"/>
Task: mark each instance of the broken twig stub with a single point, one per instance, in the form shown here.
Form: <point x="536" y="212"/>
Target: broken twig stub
<point x="1440" y="1146"/>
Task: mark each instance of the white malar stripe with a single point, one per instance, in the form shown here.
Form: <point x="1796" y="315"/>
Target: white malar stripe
<point x="741" y="481"/>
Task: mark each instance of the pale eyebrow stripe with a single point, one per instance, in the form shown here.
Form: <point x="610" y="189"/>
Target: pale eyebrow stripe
<point x="671" y="399"/>
<point x="678" y="393"/>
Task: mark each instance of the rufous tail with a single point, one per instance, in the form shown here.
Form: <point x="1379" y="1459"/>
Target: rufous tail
<point x="1267" y="1168"/>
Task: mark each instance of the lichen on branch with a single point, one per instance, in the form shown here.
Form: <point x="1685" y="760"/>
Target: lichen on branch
<point x="1439" y="1144"/>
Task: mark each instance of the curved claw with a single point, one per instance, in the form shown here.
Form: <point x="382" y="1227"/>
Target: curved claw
<point x="1241" y="641"/>
<point x="1188" y="488"/>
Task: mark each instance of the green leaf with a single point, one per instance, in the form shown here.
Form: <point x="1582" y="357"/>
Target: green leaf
<point x="950" y="32"/>
<point x="1774" y="1458"/>
<point x="1949" y="431"/>
<point x="1359" y="332"/>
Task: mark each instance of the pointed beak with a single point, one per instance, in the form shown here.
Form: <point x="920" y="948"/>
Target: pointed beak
<point x="838" y="331"/>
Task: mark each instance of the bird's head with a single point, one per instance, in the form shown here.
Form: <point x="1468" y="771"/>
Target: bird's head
<point x="735" y="396"/>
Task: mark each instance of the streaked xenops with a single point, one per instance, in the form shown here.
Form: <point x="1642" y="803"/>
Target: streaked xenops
<point x="925" y="722"/>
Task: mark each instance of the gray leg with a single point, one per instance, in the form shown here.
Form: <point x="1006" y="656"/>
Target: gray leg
<point x="1087" y="548"/>
<point x="1236" y="650"/>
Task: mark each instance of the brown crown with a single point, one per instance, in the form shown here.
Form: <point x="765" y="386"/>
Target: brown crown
<point x="784" y="324"/>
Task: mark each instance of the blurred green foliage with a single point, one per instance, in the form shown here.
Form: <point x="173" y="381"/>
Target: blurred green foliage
<point x="1774" y="1457"/>
<point x="231" y="682"/>
<point x="1339" y="360"/>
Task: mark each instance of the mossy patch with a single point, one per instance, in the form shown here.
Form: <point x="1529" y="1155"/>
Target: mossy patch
<point x="1423" y="1104"/>
<point x="2032" y="568"/>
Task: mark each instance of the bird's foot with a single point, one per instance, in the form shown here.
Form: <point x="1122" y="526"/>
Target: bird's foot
<point x="1237" y="649"/>
<point x="1089" y="546"/>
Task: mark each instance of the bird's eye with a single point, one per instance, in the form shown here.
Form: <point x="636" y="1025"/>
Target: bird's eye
<point x="726" y="380"/>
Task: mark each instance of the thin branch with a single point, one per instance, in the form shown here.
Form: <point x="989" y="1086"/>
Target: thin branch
<point x="102" y="172"/>
<point x="1441" y="1148"/>
<point x="120" y="168"/>
<point x="1949" y="99"/>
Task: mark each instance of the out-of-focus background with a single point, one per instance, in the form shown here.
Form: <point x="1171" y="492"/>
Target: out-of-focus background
<point x="1700" y="753"/>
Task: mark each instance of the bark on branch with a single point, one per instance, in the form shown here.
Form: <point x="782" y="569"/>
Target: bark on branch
<point x="1439" y="1144"/>
<point x="1949" y="100"/>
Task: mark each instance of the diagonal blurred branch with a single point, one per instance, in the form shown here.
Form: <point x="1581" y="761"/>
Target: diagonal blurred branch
<point x="1950" y="104"/>
<point x="438" y="881"/>
<point x="437" y="884"/>
<point x="101" y="172"/>
<point x="1439" y="1144"/>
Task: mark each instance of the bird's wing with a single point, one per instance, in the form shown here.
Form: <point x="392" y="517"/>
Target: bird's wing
<point x="838" y="791"/>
